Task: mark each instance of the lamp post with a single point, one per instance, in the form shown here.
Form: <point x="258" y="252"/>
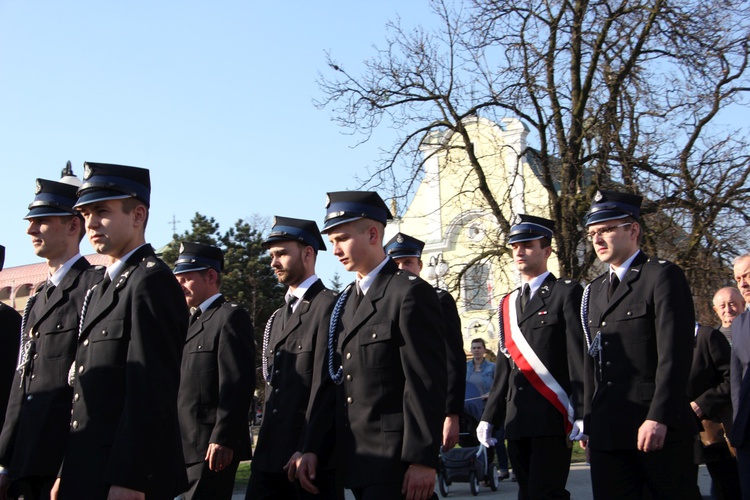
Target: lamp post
<point x="437" y="269"/>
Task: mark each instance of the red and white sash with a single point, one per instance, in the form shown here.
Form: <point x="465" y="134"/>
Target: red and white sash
<point x="530" y="364"/>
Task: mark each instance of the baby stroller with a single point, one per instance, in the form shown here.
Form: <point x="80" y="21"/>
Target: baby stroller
<point x="469" y="462"/>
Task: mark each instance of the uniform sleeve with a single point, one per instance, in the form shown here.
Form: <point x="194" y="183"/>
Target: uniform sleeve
<point x="456" y="357"/>
<point x="674" y="323"/>
<point x="236" y="361"/>
<point x="319" y="430"/>
<point x="575" y="344"/>
<point x="425" y="376"/>
<point x="496" y="406"/>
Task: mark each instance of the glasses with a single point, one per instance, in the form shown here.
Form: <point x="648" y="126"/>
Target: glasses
<point x="605" y="230"/>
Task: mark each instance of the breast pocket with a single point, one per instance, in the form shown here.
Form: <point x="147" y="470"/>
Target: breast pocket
<point x="628" y="318"/>
<point x="60" y="333"/>
<point x="377" y="348"/>
<point x="202" y="355"/>
<point x="543" y="327"/>
<point x="108" y="343"/>
<point x="301" y="348"/>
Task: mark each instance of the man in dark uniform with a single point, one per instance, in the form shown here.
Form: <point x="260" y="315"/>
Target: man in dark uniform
<point x="294" y="354"/>
<point x="740" y="381"/>
<point x="638" y="320"/>
<point x="10" y="327"/>
<point x="217" y="377"/>
<point x="406" y="252"/>
<point x="124" y="434"/>
<point x="387" y="363"/>
<point x="537" y="391"/>
<point x="36" y="429"/>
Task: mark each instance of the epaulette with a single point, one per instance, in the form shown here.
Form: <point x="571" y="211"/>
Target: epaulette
<point x="655" y="261"/>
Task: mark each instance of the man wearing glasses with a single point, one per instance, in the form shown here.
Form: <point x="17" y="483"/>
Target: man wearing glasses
<point x="639" y="322"/>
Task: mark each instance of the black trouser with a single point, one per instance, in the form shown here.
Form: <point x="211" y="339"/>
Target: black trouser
<point x="665" y="474"/>
<point x="541" y="465"/>
<point x="276" y="486"/>
<point x="206" y="484"/>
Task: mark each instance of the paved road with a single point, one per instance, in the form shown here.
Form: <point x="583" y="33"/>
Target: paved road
<point x="579" y="486"/>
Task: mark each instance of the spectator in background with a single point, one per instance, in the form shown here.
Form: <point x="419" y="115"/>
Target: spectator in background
<point x="708" y="390"/>
<point x="481" y="372"/>
<point x="728" y="304"/>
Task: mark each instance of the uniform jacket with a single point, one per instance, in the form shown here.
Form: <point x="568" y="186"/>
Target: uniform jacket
<point x="551" y="325"/>
<point x="647" y="330"/>
<point x="455" y="354"/>
<point x="124" y="427"/>
<point x="291" y="354"/>
<point x="740" y="381"/>
<point x="217" y="382"/>
<point x="10" y="333"/>
<point x="390" y="406"/>
<point x="708" y="384"/>
<point x="33" y="438"/>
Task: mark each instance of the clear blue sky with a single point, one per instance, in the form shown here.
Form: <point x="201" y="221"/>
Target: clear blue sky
<point x="215" y="98"/>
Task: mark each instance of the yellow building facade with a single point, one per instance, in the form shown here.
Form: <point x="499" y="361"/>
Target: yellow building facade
<point x="461" y="235"/>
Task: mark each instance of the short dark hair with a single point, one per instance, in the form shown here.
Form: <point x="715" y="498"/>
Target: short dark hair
<point x="480" y="340"/>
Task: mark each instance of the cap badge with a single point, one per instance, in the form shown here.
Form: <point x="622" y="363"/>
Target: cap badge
<point x="328" y="201"/>
<point x="274" y="221"/>
<point x="516" y="220"/>
<point x="400" y="239"/>
<point x="182" y="247"/>
<point x="38" y="187"/>
<point x="87" y="171"/>
<point x="598" y="196"/>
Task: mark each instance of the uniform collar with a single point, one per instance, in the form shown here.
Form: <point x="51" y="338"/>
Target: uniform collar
<point x="58" y="275"/>
<point x="621" y="270"/>
<point x="366" y="281"/>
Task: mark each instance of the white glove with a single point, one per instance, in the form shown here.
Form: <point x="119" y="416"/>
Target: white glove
<point x="576" y="433"/>
<point x="484" y="434"/>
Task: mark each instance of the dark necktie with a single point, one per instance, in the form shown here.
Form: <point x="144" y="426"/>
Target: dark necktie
<point x="358" y="294"/>
<point x="195" y="313"/>
<point x="48" y="290"/>
<point x="613" y="282"/>
<point x="289" y="309"/>
<point x="525" y="296"/>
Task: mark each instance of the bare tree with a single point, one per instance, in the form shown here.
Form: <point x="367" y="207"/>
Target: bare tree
<point x="628" y="94"/>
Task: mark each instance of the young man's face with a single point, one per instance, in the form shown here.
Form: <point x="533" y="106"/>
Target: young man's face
<point x="111" y="231"/>
<point x="287" y="262"/>
<point x="195" y="286"/>
<point x="411" y="264"/>
<point x="614" y="241"/>
<point x="530" y="258"/>
<point x="50" y="235"/>
<point x="352" y="246"/>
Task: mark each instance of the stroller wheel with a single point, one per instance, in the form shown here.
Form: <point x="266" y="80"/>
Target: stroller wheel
<point x="473" y="483"/>
<point x="492" y="479"/>
<point x="443" y="484"/>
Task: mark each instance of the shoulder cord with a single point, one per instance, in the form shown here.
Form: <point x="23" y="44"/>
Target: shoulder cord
<point x="336" y="375"/>
<point x="266" y="336"/>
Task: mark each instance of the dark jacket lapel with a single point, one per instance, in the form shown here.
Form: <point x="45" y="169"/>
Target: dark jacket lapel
<point x="58" y="294"/>
<point x="352" y="320"/>
<point x="539" y="299"/>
